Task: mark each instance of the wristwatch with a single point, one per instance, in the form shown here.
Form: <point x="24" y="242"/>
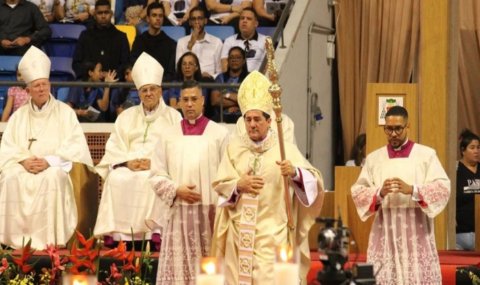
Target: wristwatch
<point x="227" y="95"/>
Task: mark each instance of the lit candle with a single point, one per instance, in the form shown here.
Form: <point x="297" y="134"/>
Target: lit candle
<point x="79" y="280"/>
<point x="210" y="272"/>
<point x="285" y="270"/>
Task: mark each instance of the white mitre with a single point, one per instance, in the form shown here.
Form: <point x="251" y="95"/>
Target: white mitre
<point x="147" y="70"/>
<point x="34" y="65"/>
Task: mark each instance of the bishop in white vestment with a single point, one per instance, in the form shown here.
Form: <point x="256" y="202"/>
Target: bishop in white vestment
<point x="41" y="141"/>
<point x="127" y="197"/>
<point x="405" y="186"/>
<point x="183" y="167"/>
<point x="253" y="219"/>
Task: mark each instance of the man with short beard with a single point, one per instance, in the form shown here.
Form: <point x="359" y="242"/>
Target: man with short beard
<point x="102" y="43"/>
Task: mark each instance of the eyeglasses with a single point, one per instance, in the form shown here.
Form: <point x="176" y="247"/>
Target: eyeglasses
<point x="189" y="64"/>
<point x="193" y="19"/>
<point x="151" y="89"/>
<point x="239" y="57"/>
<point x="42" y="86"/>
<point x="398" y="130"/>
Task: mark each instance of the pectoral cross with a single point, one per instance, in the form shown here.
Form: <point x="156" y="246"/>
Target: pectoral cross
<point x="31" y="141"/>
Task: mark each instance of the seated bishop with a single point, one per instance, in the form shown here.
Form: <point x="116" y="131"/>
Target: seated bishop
<point x="41" y="142"/>
<point x="127" y="197"/>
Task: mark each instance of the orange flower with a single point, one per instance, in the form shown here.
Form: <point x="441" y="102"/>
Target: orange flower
<point x="27" y="252"/>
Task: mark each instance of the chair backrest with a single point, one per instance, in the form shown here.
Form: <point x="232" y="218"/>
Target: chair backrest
<point x="62" y="94"/>
<point x="61" y="69"/>
<point x="221" y="32"/>
<point x="118" y="10"/>
<point x="63" y="40"/>
<point x="8" y="65"/>
<point x="267" y="31"/>
<point x="174" y="32"/>
<point x="130" y="31"/>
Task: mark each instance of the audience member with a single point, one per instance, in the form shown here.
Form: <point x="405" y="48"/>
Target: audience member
<point x="226" y="12"/>
<point x="177" y="12"/>
<point x="248" y="39"/>
<point x="468" y="184"/>
<point x="17" y="96"/>
<point x="102" y="43"/>
<point x="21" y="26"/>
<point x="90" y="103"/>
<point x="184" y="165"/>
<point x="155" y="42"/>
<point x="358" y="153"/>
<point x="76" y="11"/>
<point x="40" y="143"/>
<point x="207" y="47"/>
<point x="268" y="17"/>
<point x="127" y="196"/>
<point x="124" y="98"/>
<point x="236" y="72"/>
<point x="52" y="10"/>
<point x="188" y="68"/>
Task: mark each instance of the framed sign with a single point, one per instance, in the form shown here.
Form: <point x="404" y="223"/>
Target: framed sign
<point x="385" y="103"/>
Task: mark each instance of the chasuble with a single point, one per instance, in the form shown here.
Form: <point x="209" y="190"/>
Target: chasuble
<point x="402" y="242"/>
<point x="41" y="206"/>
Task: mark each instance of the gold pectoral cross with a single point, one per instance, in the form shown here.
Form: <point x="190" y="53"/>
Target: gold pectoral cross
<point x="31" y="141"/>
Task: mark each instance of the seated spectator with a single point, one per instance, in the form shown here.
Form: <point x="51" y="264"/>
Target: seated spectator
<point x="21" y="26"/>
<point x="16" y="98"/>
<point x="268" y="18"/>
<point x="208" y="48"/>
<point x="155" y="42"/>
<point x="177" y="12"/>
<point x="75" y="11"/>
<point x="188" y="68"/>
<point x="358" y="153"/>
<point x="52" y="10"/>
<point x="236" y="72"/>
<point x="226" y="12"/>
<point x="248" y="39"/>
<point x="102" y="43"/>
<point x="135" y="14"/>
<point x="125" y="98"/>
<point x="90" y="104"/>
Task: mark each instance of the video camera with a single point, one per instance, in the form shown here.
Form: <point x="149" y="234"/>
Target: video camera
<point x="333" y="249"/>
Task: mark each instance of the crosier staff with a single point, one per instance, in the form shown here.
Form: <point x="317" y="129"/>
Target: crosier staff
<point x="275" y="91"/>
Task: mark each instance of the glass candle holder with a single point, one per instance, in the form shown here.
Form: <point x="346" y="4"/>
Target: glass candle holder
<point x="286" y="268"/>
<point x="211" y="271"/>
<point x="79" y="280"/>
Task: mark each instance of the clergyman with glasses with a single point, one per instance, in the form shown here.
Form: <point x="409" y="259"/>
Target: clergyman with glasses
<point x="405" y="186"/>
<point x="127" y="197"/>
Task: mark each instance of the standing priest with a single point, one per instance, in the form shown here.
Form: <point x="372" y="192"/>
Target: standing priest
<point x="127" y="197"/>
<point x="183" y="168"/>
<point x="42" y="140"/>
<point x="250" y="185"/>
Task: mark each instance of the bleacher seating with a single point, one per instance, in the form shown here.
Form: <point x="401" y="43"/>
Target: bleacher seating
<point x="61" y="69"/>
<point x="62" y="94"/>
<point x="174" y="32"/>
<point x="63" y="40"/>
<point x="130" y="31"/>
<point x="8" y="72"/>
<point x="221" y="32"/>
<point x="267" y="31"/>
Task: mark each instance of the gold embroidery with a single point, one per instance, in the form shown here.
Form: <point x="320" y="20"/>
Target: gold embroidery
<point x="246" y="239"/>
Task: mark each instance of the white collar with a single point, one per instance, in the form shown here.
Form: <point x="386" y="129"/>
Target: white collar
<point x="36" y="109"/>
<point x="260" y="142"/>
<point x="152" y="112"/>
<point x="192" y="122"/>
<point x="400" y="147"/>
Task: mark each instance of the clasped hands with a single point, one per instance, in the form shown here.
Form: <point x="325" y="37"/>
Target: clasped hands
<point x="395" y="185"/>
<point x="138" y="164"/>
<point x="250" y="183"/>
<point x="35" y="165"/>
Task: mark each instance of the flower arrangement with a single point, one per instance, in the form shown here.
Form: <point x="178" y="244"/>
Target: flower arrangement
<point x="84" y="258"/>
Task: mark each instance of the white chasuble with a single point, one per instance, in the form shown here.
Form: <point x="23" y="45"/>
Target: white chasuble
<point x="267" y="218"/>
<point x="41" y="206"/>
<point x="402" y="240"/>
<point x="186" y="228"/>
<point x="127" y="197"/>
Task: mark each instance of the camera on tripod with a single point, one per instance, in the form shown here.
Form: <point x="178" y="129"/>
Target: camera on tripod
<point x="333" y="249"/>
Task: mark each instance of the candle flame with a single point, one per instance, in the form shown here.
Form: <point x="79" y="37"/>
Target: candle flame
<point x="209" y="268"/>
<point x="75" y="282"/>
<point x="283" y="254"/>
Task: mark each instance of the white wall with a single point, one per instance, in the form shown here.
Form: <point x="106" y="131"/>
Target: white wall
<point x="292" y="65"/>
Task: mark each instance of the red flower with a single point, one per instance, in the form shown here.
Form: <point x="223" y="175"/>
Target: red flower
<point x="4" y="265"/>
<point x="27" y="252"/>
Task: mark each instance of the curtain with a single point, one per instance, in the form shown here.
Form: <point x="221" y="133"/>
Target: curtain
<point x="377" y="42"/>
<point x="469" y="66"/>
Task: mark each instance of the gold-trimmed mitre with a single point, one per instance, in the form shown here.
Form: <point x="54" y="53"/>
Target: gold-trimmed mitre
<point x="253" y="93"/>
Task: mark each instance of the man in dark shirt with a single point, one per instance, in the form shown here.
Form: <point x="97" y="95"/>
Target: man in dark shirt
<point x="102" y="43"/>
<point x="21" y="25"/>
<point x="155" y="42"/>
